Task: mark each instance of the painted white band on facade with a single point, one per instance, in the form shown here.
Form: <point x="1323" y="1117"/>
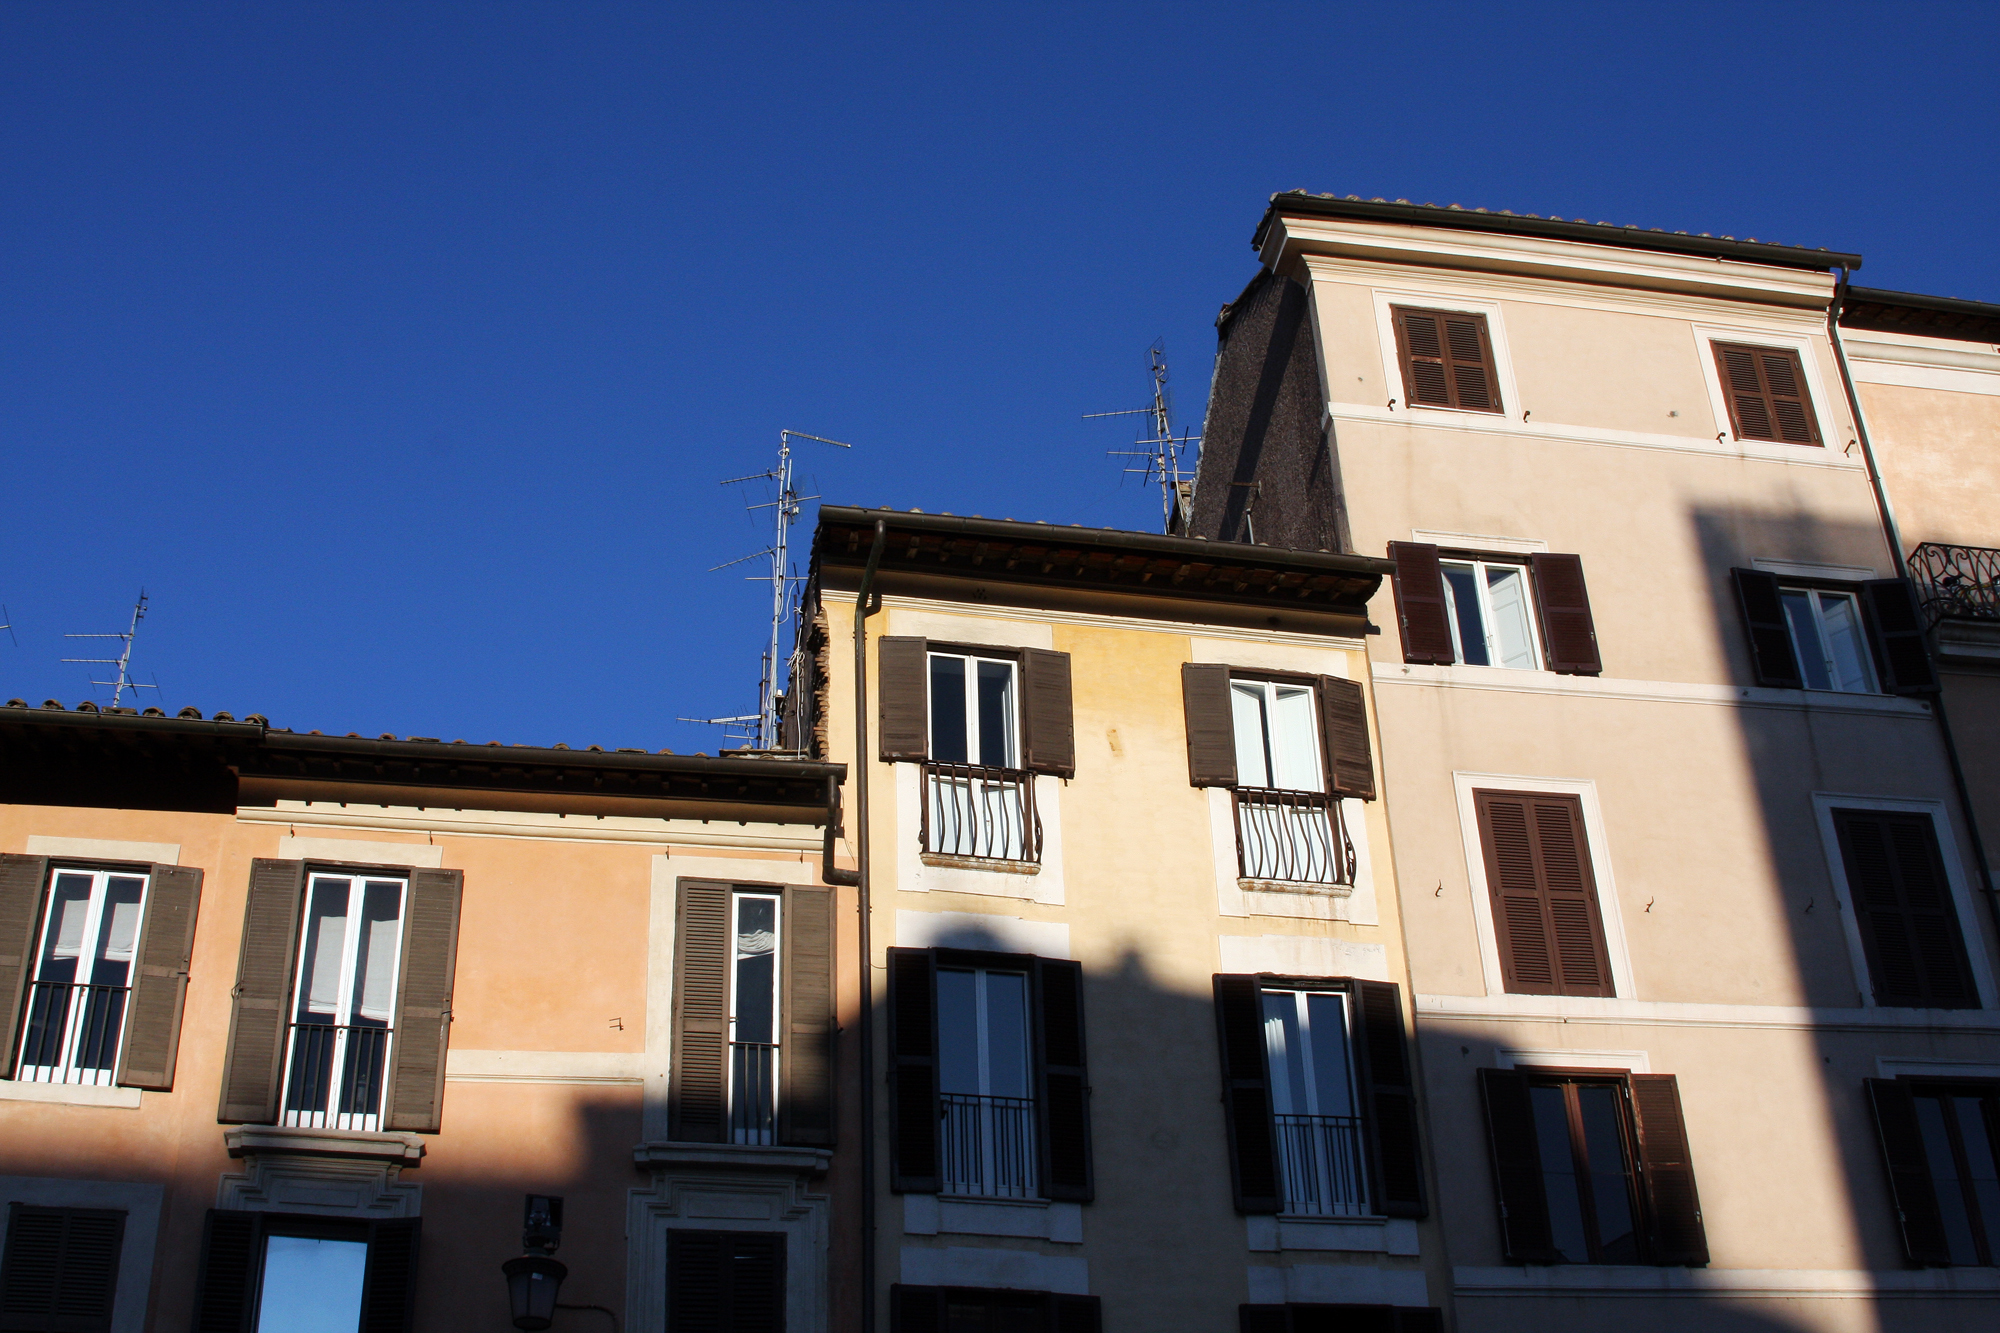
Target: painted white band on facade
<point x="106" y="849"/>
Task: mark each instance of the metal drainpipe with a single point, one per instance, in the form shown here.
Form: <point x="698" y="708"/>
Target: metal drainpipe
<point x="862" y="610"/>
<point x="1894" y="534"/>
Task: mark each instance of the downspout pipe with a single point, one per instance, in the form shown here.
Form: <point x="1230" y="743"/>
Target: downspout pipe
<point x="865" y="605"/>
<point x="1893" y="533"/>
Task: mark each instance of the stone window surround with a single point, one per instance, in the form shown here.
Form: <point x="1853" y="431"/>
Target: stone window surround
<point x="141" y="1205"/>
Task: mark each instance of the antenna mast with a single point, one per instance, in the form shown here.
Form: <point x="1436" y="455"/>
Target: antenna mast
<point x="124" y="659"/>
<point x="1161" y="451"/>
<point x="786" y="507"/>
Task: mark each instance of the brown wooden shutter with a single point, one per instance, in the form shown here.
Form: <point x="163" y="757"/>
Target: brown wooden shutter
<point x="903" y="693"/>
<point x="389" y="1291"/>
<point x="1903" y="906"/>
<point x="1899" y="630"/>
<point x="1910" y="1183"/>
<point x="1391" y="1100"/>
<point x="1246" y="1094"/>
<point x="1568" y="632"/>
<point x="1062" y="1101"/>
<point x="1343" y="723"/>
<point x="1545" y="911"/>
<point x="60" y="1270"/>
<point x="806" y="1109"/>
<point x="159" y="982"/>
<point x="913" y="1097"/>
<point x="1420" y="349"/>
<point x="731" y="1280"/>
<point x="232" y="1245"/>
<point x="423" y="1000"/>
<point x="1517" y="1168"/>
<point x="1045" y="704"/>
<point x="1447" y="359"/>
<point x="1211" y="725"/>
<point x="1475" y="386"/>
<point x="1673" y="1207"/>
<point x="260" y="1002"/>
<point x="1772" y="656"/>
<point x="916" y="1309"/>
<point x="1075" y="1314"/>
<point x="697" y="1083"/>
<point x="1766" y="388"/>
<point x="23" y="887"/>
<point x="1420" y="609"/>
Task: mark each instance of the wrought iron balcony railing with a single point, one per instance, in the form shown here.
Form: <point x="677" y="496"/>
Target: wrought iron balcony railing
<point x="973" y="810"/>
<point x="334" y="1075"/>
<point x="71" y="1034"/>
<point x="1295" y="837"/>
<point x="753" y="1092"/>
<point x="1320" y="1157"/>
<point x="988" y="1145"/>
<point x="1956" y="582"/>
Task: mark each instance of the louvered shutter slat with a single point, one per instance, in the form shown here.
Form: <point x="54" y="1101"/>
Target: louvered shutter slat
<point x="1674" y="1208"/>
<point x="59" y="1271"/>
<point x="22" y="881"/>
<point x="903" y="699"/>
<point x="1517" y="1167"/>
<point x="1771" y="654"/>
<point x="389" y="1294"/>
<point x="1471" y="366"/>
<point x="159" y="984"/>
<point x="1063" y="1105"/>
<point x="697" y="1096"/>
<point x="1045" y="699"/>
<point x="1767" y="395"/>
<point x="806" y="1110"/>
<point x="423" y="1000"/>
<point x="1350" y="762"/>
<point x="1391" y="1101"/>
<point x="1568" y="631"/>
<point x="1910" y="1184"/>
<point x="913" y="1100"/>
<point x="1425" y="379"/>
<point x="1547" y="922"/>
<point x="1899" y="628"/>
<point x="1211" y="726"/>
<point x="1246" y="1089"/>
<point x="263" y="989"/>
<point x="1418" y="583"/>
<point x="1526" y="960"/>
<point x="224" y="1295"/>
<point x="1909" y="923"/>
<point x="1572" y="898"/>
<point x="697" y="1282"/>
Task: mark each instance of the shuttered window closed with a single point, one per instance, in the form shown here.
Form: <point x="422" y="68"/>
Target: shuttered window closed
<point x="1546" y="918"/>
<point x="159" y="983"/>
<point x="1766" y="389"/>
<point x="1421" y="614"/>
<point x="725" y="1281"/>
<point x="59" y="1273"/>
<point x="1447" y="359"/>
<point x="1903" y="904"/>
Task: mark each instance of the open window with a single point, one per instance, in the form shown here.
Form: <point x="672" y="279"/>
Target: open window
<point x="1941" y="1144"/>
<point x="1528" y="613"/>
<point x="270" y="1272"/>
<point x="1864" y="637"/>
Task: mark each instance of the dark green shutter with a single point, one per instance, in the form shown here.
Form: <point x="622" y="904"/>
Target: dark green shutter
<point x="913" y="1089"/>
<point x="1343" y="718"/>
<point x="1772" y="657"/>
<point x="1418" y="583"/>
<point x="160" y="977"/>
<point x="261" y="999"/>
<point x="1246" y="1094"/>
<point x="1517" y="1168"/>
<point x="1062" y="1102"/>
<point x="1569" y="634"/>
<point x="23" y="886"/>
<point x="1899" y="630"/>
<point x="903" y="698"/>
<point x="697" y="1092"/>
<point x="1049" y="713"/>
<point x="806" y="1090"/>
<point x="1391" y="1100"/>
<point x="423" y="1000"/>
<point x="1211" y="725"/>
<point x="60" y="1270"/>
<point x="225" y="1293"/>
<point x="1910" y="1185"/>
<point x="1673" y="1207"/>
<point x="389" y="1292"/>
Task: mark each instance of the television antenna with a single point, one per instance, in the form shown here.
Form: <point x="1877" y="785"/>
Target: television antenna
<point x="785" y="509"/>
<point x="8" y="617"/>
<point x="123" y="661"/>
<point x="1161" y="453"/>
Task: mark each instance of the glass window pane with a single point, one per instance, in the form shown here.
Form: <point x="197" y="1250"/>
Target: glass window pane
<point x="378" y="939"/>
<point x="69" y="911"/>
<point x="958" y="1032"/>
<point x="1006" y="1034"/>
<point x="311" y="1285"/>
<point x="1559" y="1179"/>
<point x="1950" y="1190"/>
<point x="1468" y="624"/>
<point x="996" y="714"/>
<point x="1284" y="1053"/>
<point x="326" y="938"/>
<point x="948" y="721"/>
<point x="1610" y="1189"/>
<point x="1294" y="740"/>
<point x="118" y="933"/>
<point x="1840" y="619"/>
<point x="1246" y="704"/>
<point x="1806" y="641"/>
<point x="1332" y="1091"/>
<point x="756" y="968"/>
<point x="1513" y="638"/>
<point x="1981" y="1173"/>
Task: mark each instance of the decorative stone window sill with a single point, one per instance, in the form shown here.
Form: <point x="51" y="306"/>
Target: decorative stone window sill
<point x="1295" y="886"/>
<point x="1358" y="1235"/>
<point x="1969" y="641"/>
<point x="354" y="1145"/>
<point x="69" y="1094"/>
<point x="953" y="1215"/>
<point x="734" y="1157"/>
<point x="988" y="863"/>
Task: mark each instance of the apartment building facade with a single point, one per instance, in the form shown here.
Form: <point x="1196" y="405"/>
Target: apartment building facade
<point x="300" y="1022"/>
<point x="1703" y="979"/>
<point x="1140" y="1048"/>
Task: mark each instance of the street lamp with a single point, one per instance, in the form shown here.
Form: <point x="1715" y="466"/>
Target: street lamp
<point x="534" y="1280"/>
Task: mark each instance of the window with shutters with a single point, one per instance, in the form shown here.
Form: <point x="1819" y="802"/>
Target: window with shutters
<point x="73" y="1022"/>
<point x="989" y="1310"/>
<point x="337" y="1055"/>
<point x="1850" y="637"/>
<point x="979" y="800"/>
<point x="1547" y="922"/>
<point x="59" y="1271"/>
<point x="1765" y="388"/>
<point x="1492" y="613"/>
<point x="1830" y="640"/>
<point x="1904" y="909"/>
<point x="1476" y="609"/>
<point x="1941" y="1142"/>
<point x="725" y="1281"/>
<point x="753" y="1018"/>
<point x="280" y="1272"/>
<point x="1447" y="359"/>
<point x="985" y="1094"/>
<point x="1321" y="1153"/>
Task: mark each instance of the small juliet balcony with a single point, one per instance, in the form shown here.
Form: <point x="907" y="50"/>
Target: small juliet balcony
<point x="1959" y="590"/>
<point x="1292" y="840"/>
<point x="978" y="813"/>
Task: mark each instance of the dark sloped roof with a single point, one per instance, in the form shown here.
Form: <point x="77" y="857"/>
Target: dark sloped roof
<point x="1907" y="312"/>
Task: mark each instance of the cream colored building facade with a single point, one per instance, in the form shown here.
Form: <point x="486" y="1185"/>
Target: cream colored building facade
<point x="1692" y="912"/>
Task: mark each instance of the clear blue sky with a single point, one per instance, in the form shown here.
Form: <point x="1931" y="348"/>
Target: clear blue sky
<point x="397" y="349"/>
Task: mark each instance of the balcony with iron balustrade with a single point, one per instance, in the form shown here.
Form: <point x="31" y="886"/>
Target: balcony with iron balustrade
<point x="1959" y="590"/>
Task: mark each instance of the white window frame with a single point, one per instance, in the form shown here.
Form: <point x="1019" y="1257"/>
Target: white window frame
<point x="1853" y="599"/>
<point x="1392" y="369"/>
<point x="1824" y="804"/>
<point x="972" y="736"/>
<point x="344" y="1005"/>
<point x="736" y="900"/>
<point x="1315" y="747"/>
<point x="982" y="1040"/>
<point x="66" y="1073"/>
<point x="1480" y="564"/>
<point x="1830" y="431"/>
<point x="1309" y="1063"/>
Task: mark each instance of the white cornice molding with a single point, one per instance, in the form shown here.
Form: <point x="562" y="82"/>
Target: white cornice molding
<point x="1509" y="681"/>
<point x="1184" y="628"/>
<point x="1611" y="1012"/>
<point x="620" y="829"/>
